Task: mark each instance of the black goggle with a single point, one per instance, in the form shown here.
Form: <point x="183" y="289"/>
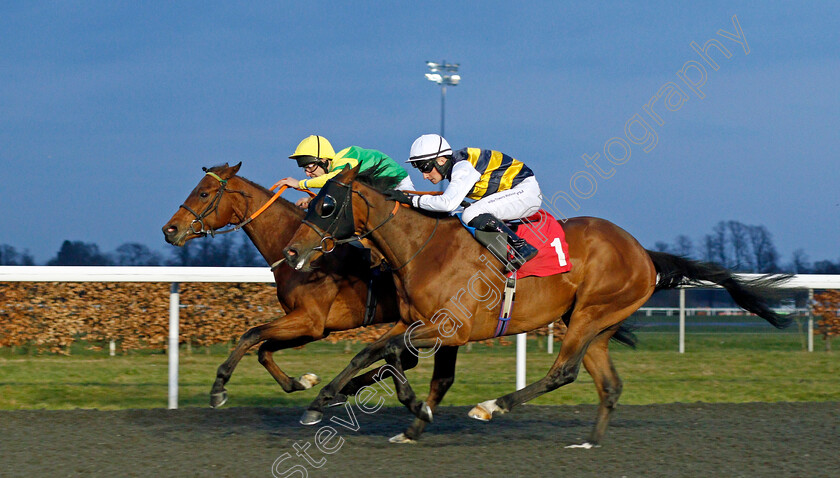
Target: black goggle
<point x="424" y="166"/>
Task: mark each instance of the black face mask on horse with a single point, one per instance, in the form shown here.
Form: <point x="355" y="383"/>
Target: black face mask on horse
<point x="330" y="214"/>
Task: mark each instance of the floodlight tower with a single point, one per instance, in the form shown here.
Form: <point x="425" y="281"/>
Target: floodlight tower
<point x="444" y="74"/>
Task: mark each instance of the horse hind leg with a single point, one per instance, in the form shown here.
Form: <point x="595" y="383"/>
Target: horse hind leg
<point x="598" y="363"/>
<point x="266" y="358"/>
<point x="587" y="322"/>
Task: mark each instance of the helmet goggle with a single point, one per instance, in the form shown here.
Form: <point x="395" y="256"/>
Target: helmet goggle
<point x="425" y="166"/>
<point x="311" y="167"/>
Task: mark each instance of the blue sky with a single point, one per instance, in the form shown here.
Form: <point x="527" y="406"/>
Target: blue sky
<point x="110" y="109"/>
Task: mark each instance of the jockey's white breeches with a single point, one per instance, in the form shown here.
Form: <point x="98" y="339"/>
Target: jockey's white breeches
<point x="523" y="200"/>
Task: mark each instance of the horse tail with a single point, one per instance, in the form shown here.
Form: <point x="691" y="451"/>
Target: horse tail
<point x="624" y="334"/>
<point x="750" y="295"/>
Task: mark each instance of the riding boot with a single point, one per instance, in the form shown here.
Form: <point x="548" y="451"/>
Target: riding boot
<point x="522" y="251"/>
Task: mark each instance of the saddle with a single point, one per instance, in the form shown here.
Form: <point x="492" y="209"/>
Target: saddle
<point x="541" y="231"/>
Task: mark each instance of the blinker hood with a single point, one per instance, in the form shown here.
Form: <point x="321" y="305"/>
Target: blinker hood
<point x="330" y="212"/>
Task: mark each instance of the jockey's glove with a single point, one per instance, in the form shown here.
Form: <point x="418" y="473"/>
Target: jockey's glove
<point x="399" y="196"/>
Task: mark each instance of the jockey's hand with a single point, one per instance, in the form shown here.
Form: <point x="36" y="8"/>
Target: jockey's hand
<point x="399" y="196"/>
<point x="290" y="182"/>
<point x="303" y="203"/>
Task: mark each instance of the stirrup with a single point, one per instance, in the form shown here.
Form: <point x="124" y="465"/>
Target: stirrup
<point x="522" y="253"/>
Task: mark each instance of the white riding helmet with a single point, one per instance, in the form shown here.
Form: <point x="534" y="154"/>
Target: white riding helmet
<point x="429" y="146"/>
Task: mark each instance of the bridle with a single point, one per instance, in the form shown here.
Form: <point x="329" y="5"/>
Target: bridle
<point x="213" y="206"/>
<point x="328" y="241"/>
<point x="203" y="230"/>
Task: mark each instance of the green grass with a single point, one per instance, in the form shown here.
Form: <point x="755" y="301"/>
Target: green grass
<point x="730" y="367"/>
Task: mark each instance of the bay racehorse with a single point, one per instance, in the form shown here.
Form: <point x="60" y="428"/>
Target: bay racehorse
<point x="316" y="303"/>
<point x="445" y="280"/>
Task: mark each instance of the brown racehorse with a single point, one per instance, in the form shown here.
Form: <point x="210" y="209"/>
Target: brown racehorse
<point x="441" y="267"/>
<point x="332" y="298"/>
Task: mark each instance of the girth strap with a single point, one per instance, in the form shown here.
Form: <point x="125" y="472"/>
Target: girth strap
<point x="507" y="305"/>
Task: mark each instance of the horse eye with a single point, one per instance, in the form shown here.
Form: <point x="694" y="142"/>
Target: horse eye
<point x="326" y="207"/>
<point x="204" y="195"/>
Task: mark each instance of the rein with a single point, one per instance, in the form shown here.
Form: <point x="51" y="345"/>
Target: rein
<point x="214" y="205"/>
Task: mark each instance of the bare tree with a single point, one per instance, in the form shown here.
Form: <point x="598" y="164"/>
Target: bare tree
<point x="742" y="258"/>
<point x="9" y="256"/>
<point x="800" y="264"/>
<point x="764" y="252"/>
<point x="719" y="237"/>
<point x="134" y="254"/>
<point x="661" y="246"/>
<point x="683" y="246"/>
<point x="710" y="249"/>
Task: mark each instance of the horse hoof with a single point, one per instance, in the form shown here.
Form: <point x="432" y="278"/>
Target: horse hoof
<point x="484" y="411"/>
<point x="218" y="399"/>
<point x="585" y="445"/>
<point x="337" y="401"/>
<point x="401" y="438"/>
<point x="311" y="417"/>
<point x="309" y="380"/>
<point x="425" y="413"/>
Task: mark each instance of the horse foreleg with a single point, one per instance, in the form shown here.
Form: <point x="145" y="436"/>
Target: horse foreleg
<point x="288" y="331"/>
<point x="370" y="377"/>
<point x="370" y="354"/>
<point x="443" y="377"/>
<point x="405" y="394"/>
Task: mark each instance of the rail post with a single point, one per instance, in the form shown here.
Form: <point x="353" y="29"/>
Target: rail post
<point x="521" y="343"/>
<point x="550" y="345"/>
<point x="174" y="304"/>
<point x="682" y="321"/>
<point x="810" y="320"/>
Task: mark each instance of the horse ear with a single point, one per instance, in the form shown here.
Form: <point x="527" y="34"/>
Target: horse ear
<point x="235" y="168"/>
<point x="349" y="174"/>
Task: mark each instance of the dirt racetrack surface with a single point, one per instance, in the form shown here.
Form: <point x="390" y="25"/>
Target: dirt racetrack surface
<point x="691" y="440"/>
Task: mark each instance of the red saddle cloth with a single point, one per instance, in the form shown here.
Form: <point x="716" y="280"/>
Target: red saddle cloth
<point x="544" y="232"/>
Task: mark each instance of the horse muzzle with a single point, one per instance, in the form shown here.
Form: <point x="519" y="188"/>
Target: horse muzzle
<point x="174" y="235"/>
<point x="296" y="259"/>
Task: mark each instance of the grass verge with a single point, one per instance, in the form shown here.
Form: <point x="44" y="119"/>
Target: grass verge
<point x="738" y="367"/>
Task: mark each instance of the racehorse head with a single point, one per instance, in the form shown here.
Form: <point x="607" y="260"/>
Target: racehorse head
<point x="207" y="208"/>
<point x="329" y="221"/>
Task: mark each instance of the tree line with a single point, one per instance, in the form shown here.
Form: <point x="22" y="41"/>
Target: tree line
<point x="733" y="244"/>
<point x="745" y="248"/>
<point x="221" y="251"/>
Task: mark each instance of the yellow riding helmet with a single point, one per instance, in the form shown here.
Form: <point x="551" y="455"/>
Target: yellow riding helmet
<point x="313" y="149"/>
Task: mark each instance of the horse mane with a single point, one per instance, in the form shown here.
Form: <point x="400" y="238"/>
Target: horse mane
<point x="285" y="202"/>
<point x="371" y="178"/>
